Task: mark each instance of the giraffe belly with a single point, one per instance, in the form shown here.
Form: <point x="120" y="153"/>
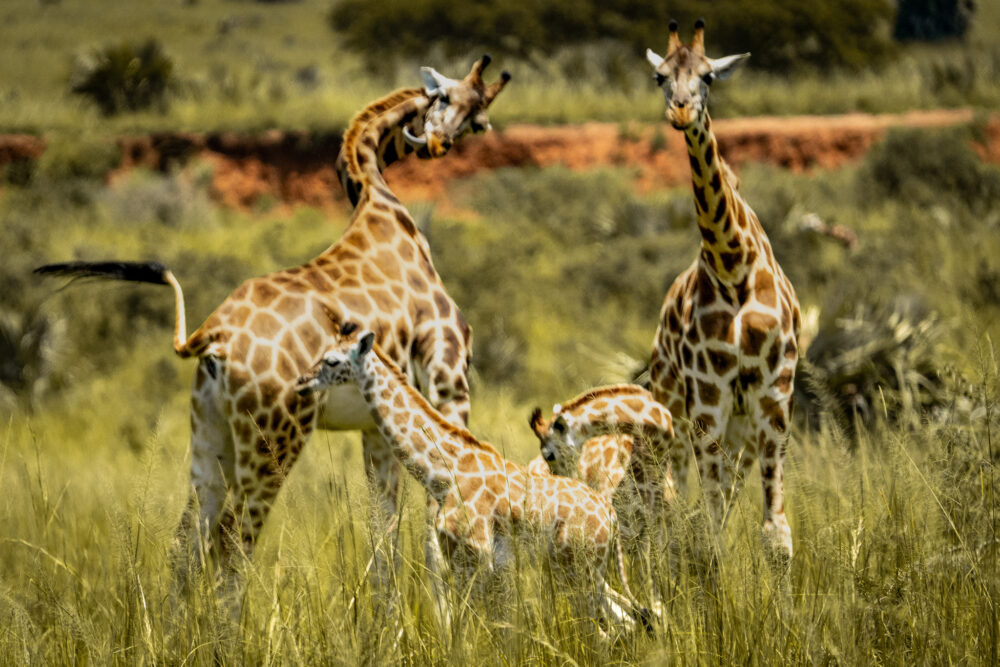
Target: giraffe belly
<point x="345" y="409"/>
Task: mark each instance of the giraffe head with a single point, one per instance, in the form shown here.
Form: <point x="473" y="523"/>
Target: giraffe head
<point x="456" y="108"/>
<point x="686" y="75"/>
<point x="341" y="364"/>
<point x="557" y="442"/>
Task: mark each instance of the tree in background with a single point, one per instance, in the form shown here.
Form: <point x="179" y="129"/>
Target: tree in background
<point x="781" y="34"/>
<point x="933" y="19"/>
<point x="124" y="77"/>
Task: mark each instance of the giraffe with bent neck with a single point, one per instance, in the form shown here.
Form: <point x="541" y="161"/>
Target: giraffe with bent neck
<point x="248" y="423"/>
<point x="620" y="441"/>
<point x="725" y="352"/>
<point x="484" y="501"/>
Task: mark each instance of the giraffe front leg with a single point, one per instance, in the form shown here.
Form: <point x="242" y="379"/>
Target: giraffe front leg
<point x="441" y="369"/>
<point x="441" y="376"/>
<point x="383" y="473"/>
<point x="437" y="569"/>
<point x="707" y="434"/>
<point x="773" y="419"/>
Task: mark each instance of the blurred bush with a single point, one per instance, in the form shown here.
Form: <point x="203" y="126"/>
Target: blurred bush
<point x="879" y="361"/>
<point x="72" y="157"/>
<point x="782" y="34"/>
<point x="930" y="169"/>
<point x="933" y="19"/>
<point x="564" y="274"/>
<point x="124" y="77"/>
<point x="28" y="340"/>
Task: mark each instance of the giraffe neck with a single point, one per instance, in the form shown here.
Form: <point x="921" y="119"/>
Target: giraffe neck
<point x="425" y="443"/>
<point x="731" y="237"/>
<point x="374" y="140"/>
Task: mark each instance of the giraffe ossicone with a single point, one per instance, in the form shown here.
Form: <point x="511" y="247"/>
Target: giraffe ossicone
<point x="726" y="348"/>
<point x="481" y="496"/>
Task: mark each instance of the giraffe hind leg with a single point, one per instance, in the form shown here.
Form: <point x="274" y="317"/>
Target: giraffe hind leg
<point x="198" y="535"/>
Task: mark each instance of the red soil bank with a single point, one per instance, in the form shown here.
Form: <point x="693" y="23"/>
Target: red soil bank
<point x="297" y="167"/>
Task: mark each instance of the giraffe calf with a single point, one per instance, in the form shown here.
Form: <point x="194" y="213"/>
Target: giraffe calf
<point x="616" y="434"/>
<point x="601" y="462"/>
<point x="607" y="434"/>
<point x="483" y="499"/>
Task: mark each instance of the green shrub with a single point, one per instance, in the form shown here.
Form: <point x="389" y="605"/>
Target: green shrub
<point x="780" y="34"/>
<point x="27" y="343"/>
<point x="877" y="361"/>
<point x="929" y="168"/>
<point x="933" y="19"/>
<point x="124" y="77"/>
<point x="72" y="157"/>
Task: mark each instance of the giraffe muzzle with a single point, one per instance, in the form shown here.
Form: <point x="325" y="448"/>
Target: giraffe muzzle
<point x="436" y="146"/>
<point x="679" y="116"/>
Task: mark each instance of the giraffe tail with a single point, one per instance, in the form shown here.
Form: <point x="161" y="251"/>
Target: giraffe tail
<point x="645" y="615"/>
<point x="140" y="272"/>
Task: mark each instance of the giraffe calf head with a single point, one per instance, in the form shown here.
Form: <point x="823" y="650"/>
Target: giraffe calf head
<point x="557" y="442"/>
<point x="686" y="74"/>
<point x="340" y="365"/>
<point x="457" y="107"/>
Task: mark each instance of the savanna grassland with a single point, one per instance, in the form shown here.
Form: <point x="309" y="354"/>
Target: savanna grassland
<point x="891" y="479"/>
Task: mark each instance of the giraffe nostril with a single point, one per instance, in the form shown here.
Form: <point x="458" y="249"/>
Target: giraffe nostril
<point x="680" y="104"/>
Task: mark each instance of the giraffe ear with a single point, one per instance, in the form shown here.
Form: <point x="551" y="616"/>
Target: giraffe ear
<point x="723" y="68"/>
<point x="536" y="422"/>
<point x="434" y="81"/>
<point x="364" y="345"/>
<point x="653" y="59"/>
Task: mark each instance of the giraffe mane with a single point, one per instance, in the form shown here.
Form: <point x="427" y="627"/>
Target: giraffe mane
<point x="359" y="124"/>
<point x="414" y="395"/>
<point x="602" y="392"/>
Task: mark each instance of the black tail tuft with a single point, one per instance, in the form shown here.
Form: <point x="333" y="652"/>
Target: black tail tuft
<point x="140" y="272"/>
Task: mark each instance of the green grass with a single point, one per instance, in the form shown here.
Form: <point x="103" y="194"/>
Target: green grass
<point x="896" y="558"/>
<point x="561" y="276"/>
<point x="251" y="66"/>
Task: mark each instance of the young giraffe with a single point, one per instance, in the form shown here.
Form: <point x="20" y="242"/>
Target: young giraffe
<point x="248" y="424"/>
<point x="600" y="462"/>
<point x="611" y="435"/>
<point x="484" y="500"/>
<point x="622" y="430"/>
<point x="724" y="355"/>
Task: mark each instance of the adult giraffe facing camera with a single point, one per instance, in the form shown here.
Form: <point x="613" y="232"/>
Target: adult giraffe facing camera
<point x="725" y="352"/>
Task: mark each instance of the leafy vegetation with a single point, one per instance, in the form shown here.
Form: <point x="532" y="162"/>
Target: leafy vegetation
<point x="786" y="34"/>
<point x="253" y="66"/>
<point x="124" y="77"/>
<point x="933" y="19"/>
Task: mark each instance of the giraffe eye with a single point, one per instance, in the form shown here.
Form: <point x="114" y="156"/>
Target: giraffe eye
<point x="708" y="78"/>
<point x="559" y="427"/>
<point x="444" y="100"/>
<point x="660" y="79"/>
